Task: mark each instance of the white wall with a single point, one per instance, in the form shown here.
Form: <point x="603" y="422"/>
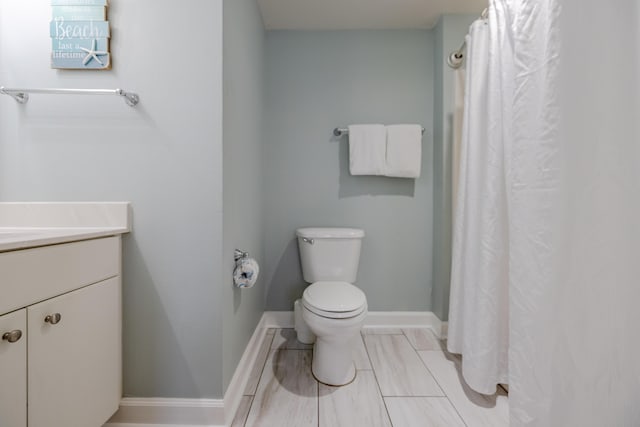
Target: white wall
<point x="244" y="52"/>
<point x="165" y="156"/>
<point x="315" y="82"/>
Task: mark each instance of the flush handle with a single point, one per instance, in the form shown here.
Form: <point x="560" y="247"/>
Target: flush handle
<point x="53" y="319"/>
<point x="309" y="241"/>
<point x="13" y="336"/>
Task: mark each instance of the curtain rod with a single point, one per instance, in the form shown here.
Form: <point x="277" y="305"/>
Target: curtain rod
<point x="455" y="58"/>
<point x="22" y="95"/>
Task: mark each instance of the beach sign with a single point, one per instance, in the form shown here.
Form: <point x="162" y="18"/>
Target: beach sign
<point x="80" y="34"/>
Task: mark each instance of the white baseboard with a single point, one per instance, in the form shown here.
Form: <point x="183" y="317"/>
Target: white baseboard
<point x="404" y="319"/>
<point x="162" y="412"/>
<point x="444" y="330"/>
<point x="110" y="424"/>
<point x="233" y="395"/>
<point x="375" y="319"/>
<point x="278" y="319"/>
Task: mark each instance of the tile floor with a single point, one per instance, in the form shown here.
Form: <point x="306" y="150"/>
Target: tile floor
<point x="405" y="378"/>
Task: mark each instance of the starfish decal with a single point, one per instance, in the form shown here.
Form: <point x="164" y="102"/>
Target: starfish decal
<point x="93" y="53"/>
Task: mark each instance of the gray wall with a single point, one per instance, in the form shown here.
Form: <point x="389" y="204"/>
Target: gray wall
<point x="244" y="40"/>
<point x="165" y="156"/>
<point x="315" y="82"/>
<point x="449" y="33"/>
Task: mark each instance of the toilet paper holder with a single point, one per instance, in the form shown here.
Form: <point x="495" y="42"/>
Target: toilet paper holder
<point x="239" y="254"/>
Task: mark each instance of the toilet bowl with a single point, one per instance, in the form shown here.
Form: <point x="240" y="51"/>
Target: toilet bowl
<point x="333" y="308"/>
<point x="335" y="312"/>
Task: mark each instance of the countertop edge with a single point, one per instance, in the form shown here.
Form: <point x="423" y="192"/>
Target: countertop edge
<point x="33" y="237"/>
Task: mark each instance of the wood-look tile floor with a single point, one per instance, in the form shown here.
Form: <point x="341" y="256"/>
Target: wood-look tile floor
<point x="405" y="378"/>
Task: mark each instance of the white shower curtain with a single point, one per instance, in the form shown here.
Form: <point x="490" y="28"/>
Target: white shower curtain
<point x="548" y="212"/>
<point x="459" y="82"/>
<point x="478" y="316"/>
<point x="575" y="214"/>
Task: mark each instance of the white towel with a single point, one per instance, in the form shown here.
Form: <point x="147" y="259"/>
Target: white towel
<point x="367" y="149"/>
<point x="404" y="151"/>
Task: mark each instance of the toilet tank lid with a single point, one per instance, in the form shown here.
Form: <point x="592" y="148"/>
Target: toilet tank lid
<point x="330" y="233"/>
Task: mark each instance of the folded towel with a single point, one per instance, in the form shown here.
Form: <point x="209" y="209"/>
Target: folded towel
<point x="404" y="151"/>
<point x="246" y="273"/>
<point x="367" y="149"/>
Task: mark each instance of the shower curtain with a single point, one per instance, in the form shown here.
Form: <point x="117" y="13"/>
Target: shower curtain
<point x="574" y="200"/>
<point x="478" y="316"/>
<point x="558" y="126"/>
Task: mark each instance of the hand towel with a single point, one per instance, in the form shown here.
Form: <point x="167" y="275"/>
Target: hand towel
<point x="367" y="149"/>
<point x="404" y="151"/>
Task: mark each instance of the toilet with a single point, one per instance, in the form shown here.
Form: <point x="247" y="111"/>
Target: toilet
<point x="332" y="308"/>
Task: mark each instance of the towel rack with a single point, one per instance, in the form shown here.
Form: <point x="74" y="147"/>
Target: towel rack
<point x="22" y="95"/>
<point x="345" y="131"/>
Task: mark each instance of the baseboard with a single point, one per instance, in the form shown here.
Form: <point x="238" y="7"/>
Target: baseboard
<point x="404" y="319"/>
<point x="153" y="412"/>
<point x="154" y="425"/>
<point x="278" y="319"/>
<point x="444" y="330"/>
<point x="164" y="412"/>
<point x="233" y="395"/>
<point x="375" y="319"/>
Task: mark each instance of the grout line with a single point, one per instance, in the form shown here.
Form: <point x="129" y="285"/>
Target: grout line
<point x="442" y="388"/>
<point x="428" y="331"/>
<point x="318" y="398"/>
<point x="410" y="343"/>
<point x="253" y="397"/>
<point x="248" y="412"/>
<point x="430" y="396"/>
<point x="375" y="376"/>
<point x="263" y="363"/>
<point x="246" y="416"/>
<point x="317" y="388"/>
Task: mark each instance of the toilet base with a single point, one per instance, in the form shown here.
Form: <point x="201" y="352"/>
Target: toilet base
<point x="333" y="350"/>
<point x="303" y="333"/>
<point x="333" y="364"/>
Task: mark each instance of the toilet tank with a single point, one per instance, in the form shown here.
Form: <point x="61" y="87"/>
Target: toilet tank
<point x="329" y="254"/>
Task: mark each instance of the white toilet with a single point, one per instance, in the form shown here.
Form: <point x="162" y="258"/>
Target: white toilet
<point x="333" y="309"/>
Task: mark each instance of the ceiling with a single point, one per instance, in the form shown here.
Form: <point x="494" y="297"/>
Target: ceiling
<point x="360" y="14"/>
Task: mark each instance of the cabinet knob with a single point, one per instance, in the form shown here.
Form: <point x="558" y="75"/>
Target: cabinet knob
<point x="53" y="319"/>
<point x="13" y="336"/>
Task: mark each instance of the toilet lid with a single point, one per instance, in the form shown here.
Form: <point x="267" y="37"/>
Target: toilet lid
<point x="334" y="297"/>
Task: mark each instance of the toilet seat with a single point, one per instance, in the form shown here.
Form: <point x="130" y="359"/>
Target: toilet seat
<point x="334" y="300"/>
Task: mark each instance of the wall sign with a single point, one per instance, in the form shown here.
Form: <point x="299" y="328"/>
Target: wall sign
<point x="80" y="35"/>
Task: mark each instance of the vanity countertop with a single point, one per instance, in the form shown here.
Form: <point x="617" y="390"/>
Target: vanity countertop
<point x="14" y="238"/>
<point x="29" y="225"/>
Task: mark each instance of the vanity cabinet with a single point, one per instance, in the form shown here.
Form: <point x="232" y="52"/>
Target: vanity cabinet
<point x="65" y="370"/>
<point x="74" y="358"/>
<point x="13" y="369"/>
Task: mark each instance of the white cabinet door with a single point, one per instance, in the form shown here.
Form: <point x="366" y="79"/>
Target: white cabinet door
<point x="13" y="369"/>
<point x="75" y="357"/>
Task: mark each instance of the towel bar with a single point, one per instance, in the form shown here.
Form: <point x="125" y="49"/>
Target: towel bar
<point x="22" y="95"/>
<point x="345" y="131"/>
